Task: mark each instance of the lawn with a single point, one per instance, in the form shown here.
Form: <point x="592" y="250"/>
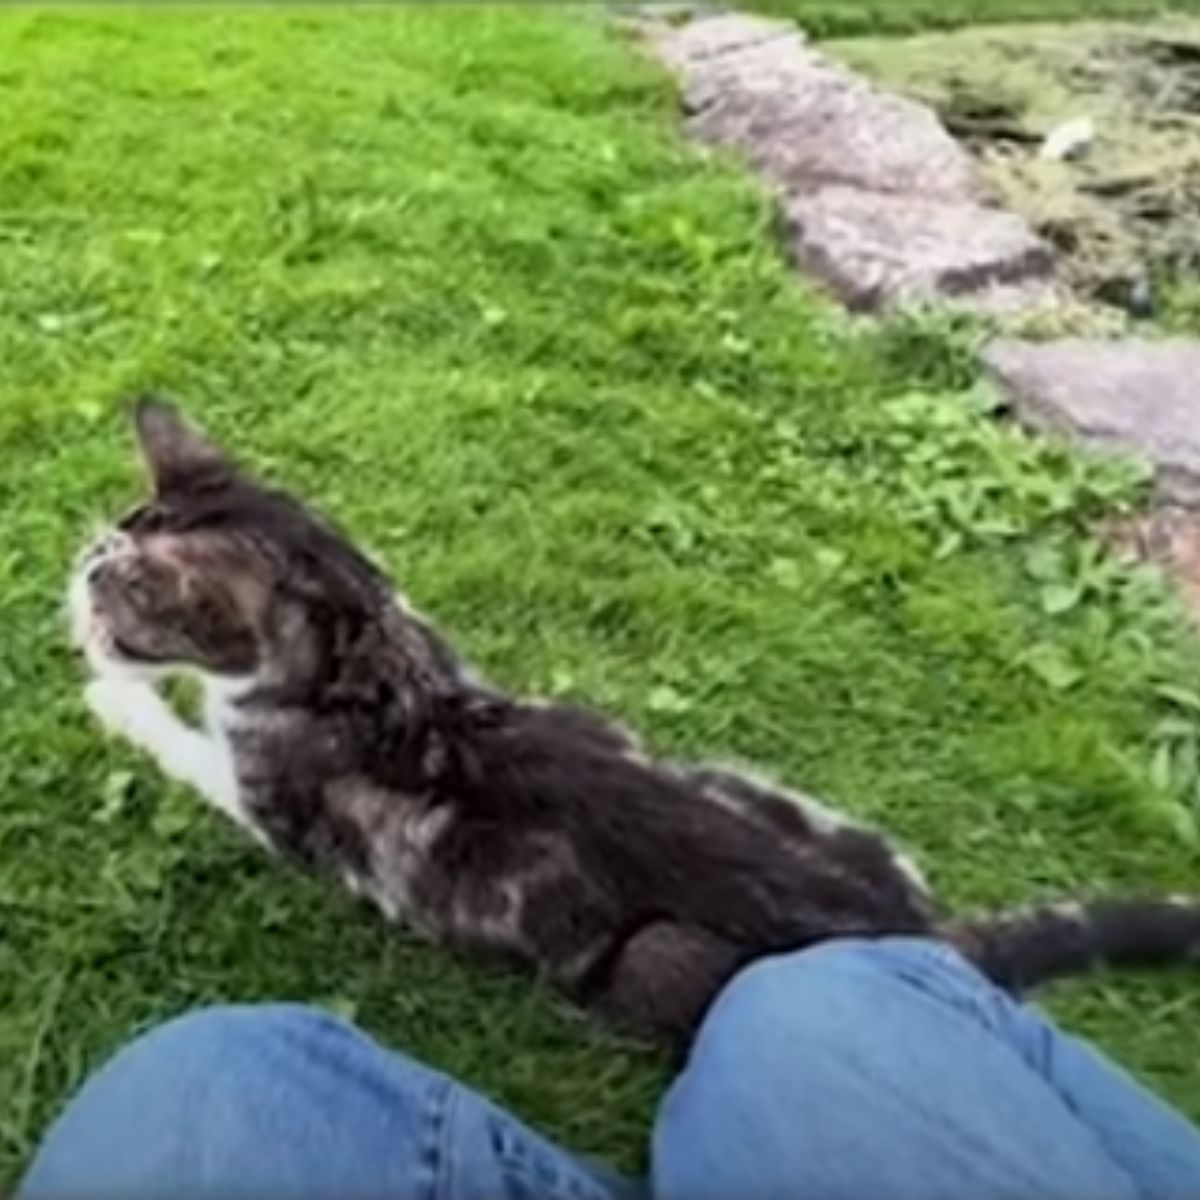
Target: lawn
<point x="456" y="275"/>
<point x="845" y="18"/>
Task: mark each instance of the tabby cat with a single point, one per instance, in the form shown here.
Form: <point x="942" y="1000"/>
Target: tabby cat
<point x="343" y="732"/>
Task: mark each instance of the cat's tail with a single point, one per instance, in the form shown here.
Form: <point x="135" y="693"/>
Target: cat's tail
<point x="1024" y="948"/>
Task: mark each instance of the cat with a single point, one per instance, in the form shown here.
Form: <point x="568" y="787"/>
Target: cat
<point x="344" y="732"/>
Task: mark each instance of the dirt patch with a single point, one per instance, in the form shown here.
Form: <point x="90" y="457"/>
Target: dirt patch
<point x="1124" y="210"/>
<point x="1168" y="537"/>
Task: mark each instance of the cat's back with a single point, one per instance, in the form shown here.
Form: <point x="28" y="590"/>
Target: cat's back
<point x="660" y="837"/>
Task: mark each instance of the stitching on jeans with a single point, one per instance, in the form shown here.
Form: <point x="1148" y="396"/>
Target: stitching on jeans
<point x="526" y="1162"/>
<point x="521" y="1159"/>
<point x="435" y="1157"/>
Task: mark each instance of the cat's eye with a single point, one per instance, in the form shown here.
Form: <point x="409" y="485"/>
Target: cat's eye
<point x="144" y="519"/>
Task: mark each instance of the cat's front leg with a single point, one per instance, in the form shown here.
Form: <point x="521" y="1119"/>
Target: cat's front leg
<point x="133" y="710"/>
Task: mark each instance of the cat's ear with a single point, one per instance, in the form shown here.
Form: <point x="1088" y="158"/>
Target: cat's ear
<point x="178" y="455"/>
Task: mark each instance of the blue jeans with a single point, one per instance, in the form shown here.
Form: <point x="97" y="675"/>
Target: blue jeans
<point x="854" y="1071"/>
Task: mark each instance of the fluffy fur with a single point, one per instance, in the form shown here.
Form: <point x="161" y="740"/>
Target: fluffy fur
<point x="344" y="733"/>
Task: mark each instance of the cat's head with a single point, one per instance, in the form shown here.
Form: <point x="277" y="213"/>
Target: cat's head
<point x="215" y="571"/>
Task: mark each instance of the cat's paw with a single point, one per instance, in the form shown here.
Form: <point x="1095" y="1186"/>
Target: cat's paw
<point x="126" y="708"/>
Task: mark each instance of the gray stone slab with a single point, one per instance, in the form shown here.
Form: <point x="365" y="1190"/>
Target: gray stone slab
<point x="1137" y="396"/>
<point x="878" y="251"/>
<point x="803" y="121"/>
<point x="688" y="47"/>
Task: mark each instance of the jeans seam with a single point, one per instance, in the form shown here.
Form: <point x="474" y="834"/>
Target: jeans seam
<point x="551" y="1182"/>
<point x="536" y="1184"/>
<point x="436" y="1154"/>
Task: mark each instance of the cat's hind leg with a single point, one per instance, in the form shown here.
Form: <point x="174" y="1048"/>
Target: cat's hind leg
<point x="664" y="977"/>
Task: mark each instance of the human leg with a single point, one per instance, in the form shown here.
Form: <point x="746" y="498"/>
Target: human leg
<point x="287" y="1102"/>
<point x="894" y="1070"/>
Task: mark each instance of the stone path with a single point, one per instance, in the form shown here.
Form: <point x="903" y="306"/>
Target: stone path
<point x="879" y="201"/>
<point x="886" y="209"/>
<point x="1137" y="396"/>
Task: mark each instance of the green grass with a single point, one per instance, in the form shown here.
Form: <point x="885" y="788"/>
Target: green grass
<point x="455" y="275"/>
<point x="853" y="18"/>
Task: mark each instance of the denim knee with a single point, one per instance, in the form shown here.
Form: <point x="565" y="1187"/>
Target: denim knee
<point x="215" y="1055"/>
<point x="190" y="1104"/>
<point x="808" y="980"/>
<point x="891" y="971"/>
<point x="873" y="1068"/>
<point x="806" y="1011"/>
<point x="223" y="1035"/>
